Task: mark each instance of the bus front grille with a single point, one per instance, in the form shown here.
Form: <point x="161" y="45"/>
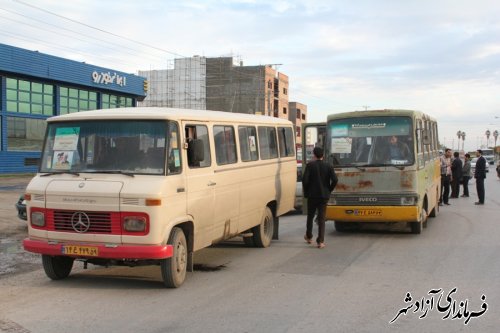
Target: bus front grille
<point x="363" y="200"/>
<point x="84" y="222"/>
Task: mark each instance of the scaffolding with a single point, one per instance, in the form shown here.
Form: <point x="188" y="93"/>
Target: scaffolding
<point x="183" y="86"/>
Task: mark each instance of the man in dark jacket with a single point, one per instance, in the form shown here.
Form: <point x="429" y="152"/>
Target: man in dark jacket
<point x="318" y="182"/>
<point x="480" y="175"/>
<point x="456" y="175"/>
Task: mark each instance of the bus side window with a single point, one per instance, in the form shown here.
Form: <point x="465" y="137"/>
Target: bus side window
<point x="267" y="143"/>
<point x="225" y="146"/>
<point x="286" y="142"/>
<point x="248" y="143"/>
<point x="197" y="139"/>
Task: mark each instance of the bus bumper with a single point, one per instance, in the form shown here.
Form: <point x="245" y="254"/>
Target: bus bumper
<point x="99" y="250"/>
<point x="373" y="213"/>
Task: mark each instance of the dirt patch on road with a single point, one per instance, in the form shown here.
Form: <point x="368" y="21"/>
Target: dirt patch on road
<point x="13" y="230"/>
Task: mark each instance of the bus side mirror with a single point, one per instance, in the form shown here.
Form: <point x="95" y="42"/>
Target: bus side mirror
<point x="195" y="151"/>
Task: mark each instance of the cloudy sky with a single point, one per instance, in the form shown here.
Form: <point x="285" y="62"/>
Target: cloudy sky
<point x="438" y="56"/>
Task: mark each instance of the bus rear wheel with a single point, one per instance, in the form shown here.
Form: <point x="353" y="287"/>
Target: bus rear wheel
<point x="57" y="267"/>
<point x="173" y="269"/>
<point x="263" y="233"/>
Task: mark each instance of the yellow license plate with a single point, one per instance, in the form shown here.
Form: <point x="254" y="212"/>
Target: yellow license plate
<point x="367" y="212"/>
<point x="77" y="250"/>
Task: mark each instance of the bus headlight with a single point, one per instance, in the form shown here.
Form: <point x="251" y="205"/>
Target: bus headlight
<point x="135" y="224"/>
<point x="38" y="219"/>
<point x="409" y="201"/>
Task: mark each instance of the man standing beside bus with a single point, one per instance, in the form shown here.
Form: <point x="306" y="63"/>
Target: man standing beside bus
<point x="480" y="175"/>
<point x="456" y="174"/>
<point x="445" y="176"/>
<point x="466" y="175"/>
<point x="318" y="182"/>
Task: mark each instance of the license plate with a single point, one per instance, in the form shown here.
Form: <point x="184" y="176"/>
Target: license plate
<point x="77" y="250"/>
<point x="367" y="212"/>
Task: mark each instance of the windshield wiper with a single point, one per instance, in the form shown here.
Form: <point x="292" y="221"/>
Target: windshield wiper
<point x="117" y="172"/>
<point x="60" y="173"/>
<point x="399" y="167"/>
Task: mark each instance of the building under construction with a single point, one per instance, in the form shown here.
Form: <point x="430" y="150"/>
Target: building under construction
<point x="222" y="84"/>
<point x="183" y="87"/>
<point x="219" y="84"/>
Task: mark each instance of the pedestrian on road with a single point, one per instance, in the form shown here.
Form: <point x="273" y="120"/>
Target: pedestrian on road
<point x="456" y="175"/>
<point x="480" y="175"/>
<point x="445" y="177"/>
<point x="318" y="182"/>
<point x="466" y="175"/>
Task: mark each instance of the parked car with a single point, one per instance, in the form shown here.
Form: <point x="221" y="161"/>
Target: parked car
<point x="298" y="188"/>
<point x="21" y="208"/>
<point x="473" y="165"/>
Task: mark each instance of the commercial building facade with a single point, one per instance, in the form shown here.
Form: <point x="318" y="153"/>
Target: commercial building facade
<point x="35" y="86"/>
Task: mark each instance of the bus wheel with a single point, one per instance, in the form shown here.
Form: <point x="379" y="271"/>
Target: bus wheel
<point x="263" y="233"/>
<point x="416" y="227"/>
<point x="340" y="226"/>
<point x="57" y="267"/>
<point x="435" y="211"/>
<point x="173" y="269"/>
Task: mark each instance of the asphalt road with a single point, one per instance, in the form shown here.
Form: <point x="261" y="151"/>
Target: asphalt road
<point x="358" y="283"/>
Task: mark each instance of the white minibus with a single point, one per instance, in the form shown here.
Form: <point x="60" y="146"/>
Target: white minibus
<point x="150" y="186"/>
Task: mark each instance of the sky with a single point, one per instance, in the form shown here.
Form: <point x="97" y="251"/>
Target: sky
<point x="441" y="57"/>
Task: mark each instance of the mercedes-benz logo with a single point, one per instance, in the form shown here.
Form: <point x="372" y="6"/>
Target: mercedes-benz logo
<point x="80" y="222"/>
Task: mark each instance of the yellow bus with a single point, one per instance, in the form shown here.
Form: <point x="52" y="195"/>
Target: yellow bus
<point x="387" y="162"/>
<point x="150" y="186"/>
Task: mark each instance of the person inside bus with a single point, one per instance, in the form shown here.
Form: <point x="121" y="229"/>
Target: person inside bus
<point x="398" y="150"/>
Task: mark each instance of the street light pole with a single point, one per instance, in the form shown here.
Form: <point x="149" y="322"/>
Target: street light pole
<point x="463" y="141"/>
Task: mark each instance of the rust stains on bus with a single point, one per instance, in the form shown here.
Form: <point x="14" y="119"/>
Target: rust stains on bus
<point x="407" y="179"/>
<point x="351" y="174"/>
<point x="342" y="187"/>
<point x="365" y="184"/>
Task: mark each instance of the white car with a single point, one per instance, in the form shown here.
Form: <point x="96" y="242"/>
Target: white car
<point x="473" y="165"/>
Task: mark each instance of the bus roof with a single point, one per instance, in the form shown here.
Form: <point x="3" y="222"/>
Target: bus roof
<point x="143" y="113"/>
<point x="384" y="112"/>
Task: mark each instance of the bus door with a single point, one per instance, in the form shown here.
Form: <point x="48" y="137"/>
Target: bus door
<point x="200" y="181"/>
<point x="313" y="135"/>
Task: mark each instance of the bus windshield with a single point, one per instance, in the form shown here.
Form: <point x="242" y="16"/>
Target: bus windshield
<point x="371" y="141"/>
<point x="109" y="146"/>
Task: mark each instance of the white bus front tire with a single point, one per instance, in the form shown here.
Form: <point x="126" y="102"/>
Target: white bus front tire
<point x="173" y="269"/>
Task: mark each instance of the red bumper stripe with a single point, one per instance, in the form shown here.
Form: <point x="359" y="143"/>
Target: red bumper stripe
<point x="118" y="252"/>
